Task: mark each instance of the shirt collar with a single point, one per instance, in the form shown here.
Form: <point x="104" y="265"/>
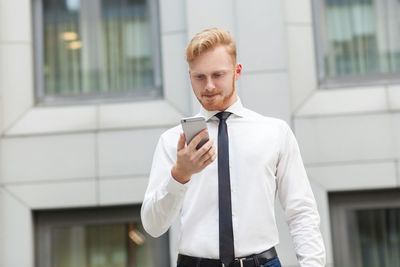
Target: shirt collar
<point x="236" y="108"/>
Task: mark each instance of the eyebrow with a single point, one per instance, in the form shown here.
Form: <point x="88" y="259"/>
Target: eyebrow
<point x="215" y="71"/>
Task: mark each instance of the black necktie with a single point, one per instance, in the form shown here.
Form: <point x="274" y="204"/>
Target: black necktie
<point x="226" y="248"/>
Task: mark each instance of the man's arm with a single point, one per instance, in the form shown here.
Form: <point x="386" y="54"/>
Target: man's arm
<point x="299" y="204"/>
<point x="169" y="180"/>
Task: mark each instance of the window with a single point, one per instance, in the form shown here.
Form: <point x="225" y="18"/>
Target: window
<point x="366" y="228"/>
<point x="96" y="49"/>
<point x="358" y="41"/>
<point x="97" y="237"/>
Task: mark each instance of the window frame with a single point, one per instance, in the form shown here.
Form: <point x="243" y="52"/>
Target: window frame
<point x="46" y="220"/>
<point x="324" y="82"/>
<point x="341" y="203"/>
<point x="40" y="99"/>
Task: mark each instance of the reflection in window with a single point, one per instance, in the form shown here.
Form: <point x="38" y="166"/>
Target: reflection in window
<point x="110" y="245"/>
<point x="99" y="47"/>
<point x="360" y="37"/>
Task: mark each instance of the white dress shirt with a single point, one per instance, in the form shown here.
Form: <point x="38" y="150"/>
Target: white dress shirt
<point x="265" y="162"/>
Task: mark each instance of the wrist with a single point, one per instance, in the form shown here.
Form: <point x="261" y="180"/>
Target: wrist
<point x="180" y="175"/>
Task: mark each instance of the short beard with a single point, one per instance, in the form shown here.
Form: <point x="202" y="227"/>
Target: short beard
<point x="225" y="102"/>
<point x="228" y="98"/>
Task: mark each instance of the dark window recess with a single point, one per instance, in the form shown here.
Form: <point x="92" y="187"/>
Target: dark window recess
<point x="366" y="228"/>
<point x="96" y="237"/>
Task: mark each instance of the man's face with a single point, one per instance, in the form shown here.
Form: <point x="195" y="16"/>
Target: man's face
<point x="213" y="77"/>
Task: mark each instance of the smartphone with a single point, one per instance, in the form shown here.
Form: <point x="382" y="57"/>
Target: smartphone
<point x="192" y="126"/>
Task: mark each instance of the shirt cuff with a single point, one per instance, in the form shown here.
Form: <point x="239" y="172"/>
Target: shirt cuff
<point x="175" y="187"/>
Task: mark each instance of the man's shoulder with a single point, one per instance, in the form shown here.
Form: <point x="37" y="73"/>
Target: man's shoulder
<point x="265" y="120"/>
<point x="172" y="132"/>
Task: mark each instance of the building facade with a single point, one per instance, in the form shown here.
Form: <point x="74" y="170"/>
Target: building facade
<point x="75" y="155"/>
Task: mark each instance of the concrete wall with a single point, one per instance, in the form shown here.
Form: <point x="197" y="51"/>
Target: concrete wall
<point x="349" y="137"/>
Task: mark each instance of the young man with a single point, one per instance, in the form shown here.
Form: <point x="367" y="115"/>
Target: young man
<point x="226" y="206"/>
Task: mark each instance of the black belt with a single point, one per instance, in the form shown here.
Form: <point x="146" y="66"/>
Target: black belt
<point x="249" y="261"/>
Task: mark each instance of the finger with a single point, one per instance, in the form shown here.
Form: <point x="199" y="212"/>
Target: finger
<point x="211" y="141"/>
<point x="197" y="139"/>
<point x="181" y="142"/>
<point x="205" y="148"/>
<point x="209" y="160"/>
<point x="210" y="153"/>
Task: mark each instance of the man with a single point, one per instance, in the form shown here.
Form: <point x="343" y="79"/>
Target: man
<point x="226" y="207"/>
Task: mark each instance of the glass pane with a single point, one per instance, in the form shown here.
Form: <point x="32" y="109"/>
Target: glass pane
<point x="361" y="37"/>
<point x="114" y="245"/>
<point x="127" y="46"/>
<point x="394" y="33"/>
<point x="62" y="43"/>
<point x="98" y="47"/>
<point x="375" y="237"/>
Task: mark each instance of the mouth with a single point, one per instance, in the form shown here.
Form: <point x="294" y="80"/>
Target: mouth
<point x="210" y="96"/>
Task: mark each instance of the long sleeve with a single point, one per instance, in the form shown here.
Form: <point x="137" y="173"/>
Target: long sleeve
<point x="299" y="204"/>
<point x="164" y="195"/>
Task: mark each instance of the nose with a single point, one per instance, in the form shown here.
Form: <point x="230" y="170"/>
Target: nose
<point x="210" y="84"/>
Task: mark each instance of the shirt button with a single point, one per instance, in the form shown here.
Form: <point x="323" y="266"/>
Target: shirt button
<point x="233" y="214"/>
<point x="233" y="191"/>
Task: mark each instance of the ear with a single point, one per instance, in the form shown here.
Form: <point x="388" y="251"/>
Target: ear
<point x="238" y="71"/>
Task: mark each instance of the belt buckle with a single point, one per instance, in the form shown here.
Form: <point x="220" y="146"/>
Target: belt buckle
<point x="240" y="261"/>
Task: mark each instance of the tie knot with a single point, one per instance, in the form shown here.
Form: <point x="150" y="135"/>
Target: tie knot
<point x="223" y="115"/>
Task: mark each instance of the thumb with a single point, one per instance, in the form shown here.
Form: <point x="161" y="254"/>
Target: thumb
<point x="181" y="142"/>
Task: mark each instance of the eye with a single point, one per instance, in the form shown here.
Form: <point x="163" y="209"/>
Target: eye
<point x="218" y="75"/>
<point x="199" y="77"/>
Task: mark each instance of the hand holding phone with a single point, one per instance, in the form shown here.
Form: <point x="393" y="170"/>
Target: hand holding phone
<point x="188" y="161"/>
<point x="192" y="127"/>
